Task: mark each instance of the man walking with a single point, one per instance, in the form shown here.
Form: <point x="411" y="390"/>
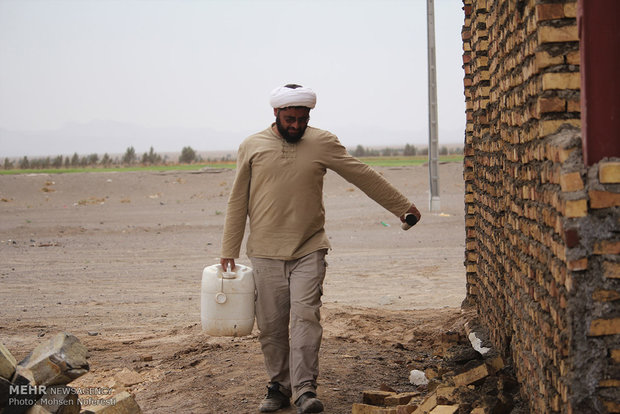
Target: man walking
<point x="279" y="186"/>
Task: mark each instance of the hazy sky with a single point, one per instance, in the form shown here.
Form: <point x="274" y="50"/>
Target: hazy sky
<point x="212" y="63"/>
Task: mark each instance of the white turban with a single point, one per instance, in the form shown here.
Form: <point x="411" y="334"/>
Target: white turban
<point x="285" y="96"/>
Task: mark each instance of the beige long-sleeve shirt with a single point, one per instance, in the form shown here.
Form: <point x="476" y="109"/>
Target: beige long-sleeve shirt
<point x="279" y="186"/>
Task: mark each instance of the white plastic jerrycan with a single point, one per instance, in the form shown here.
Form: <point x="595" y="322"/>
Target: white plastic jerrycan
<point x="227" y="301"/>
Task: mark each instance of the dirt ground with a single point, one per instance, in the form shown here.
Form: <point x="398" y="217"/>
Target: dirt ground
<point x="116" y="259"/>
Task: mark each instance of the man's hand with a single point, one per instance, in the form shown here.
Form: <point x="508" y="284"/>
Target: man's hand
<point x="226" y="262"/>
<point x="412" y="210"/>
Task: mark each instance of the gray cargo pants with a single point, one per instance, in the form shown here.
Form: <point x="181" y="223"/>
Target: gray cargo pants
<point x="290" y="291"/>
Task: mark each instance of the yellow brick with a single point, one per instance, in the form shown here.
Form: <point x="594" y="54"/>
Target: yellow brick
<point x="371" y="409"/>
<point x="605" y="295"/>
<point x="577" y="265"/>
<point x="615" y="355"/>
<point x="445" y="409"/>
<point x="609" y="383"/>
<point x="571" y="182"/>
<point x="609" y="172"/>
<point x="544" y="59"/>
<point x="611" y="270"/>
<point x="561" y="80"/>
<point x="400" y="399"/>
<point x="607" y="247"/>
<point x="611" y="406"/>
<point x="601" y="327"/>
<point x="573" y="58"/>
<point x="471" y="376"/>
<point x="549" y="127"/>
<point x="576" y="208"/>
<point x="570" y="9"/>
<point x="427" y="405"/>
<point x="376" y="397"/>
<point x="550" y="34"/>
<point x="603" y="199"/>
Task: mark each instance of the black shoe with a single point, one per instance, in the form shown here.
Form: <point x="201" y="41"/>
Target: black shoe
<point x="274" y="400"/>
<point x="308" y="403"/>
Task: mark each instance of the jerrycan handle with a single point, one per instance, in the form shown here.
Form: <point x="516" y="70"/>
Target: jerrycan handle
<point x="220" y="297"/>
<point x="228" y="274"/>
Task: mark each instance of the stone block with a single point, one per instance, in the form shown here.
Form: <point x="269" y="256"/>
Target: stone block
<point x="471" y="375"/>
<point x="57" y="399"/>
<point x="602" y="327"/>
<point x="127" y="378"/>
<point x="58" y="361"/>
<point x="122" y="403"/>
<point x="7" y="363"/>
<point x="4" y="392"/>
<point x="376" y="397"/>
<point x="603" y="199"/>
<point x="609" y="172"/>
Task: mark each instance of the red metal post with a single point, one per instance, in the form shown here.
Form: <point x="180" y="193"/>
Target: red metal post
<point x="599" y="37"/>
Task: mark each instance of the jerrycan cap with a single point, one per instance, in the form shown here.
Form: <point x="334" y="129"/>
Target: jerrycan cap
<point x="220" y="297"/>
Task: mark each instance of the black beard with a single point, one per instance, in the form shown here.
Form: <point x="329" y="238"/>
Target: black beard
<point x="291" y="139"/>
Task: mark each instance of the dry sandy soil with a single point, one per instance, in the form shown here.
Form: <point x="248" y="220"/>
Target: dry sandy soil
<point x="116" y="259"/>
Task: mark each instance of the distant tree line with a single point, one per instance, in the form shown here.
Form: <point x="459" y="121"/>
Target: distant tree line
<point x="188" y="156"/>
<point x="407" y="151"/>
<point x="129" y="158"/>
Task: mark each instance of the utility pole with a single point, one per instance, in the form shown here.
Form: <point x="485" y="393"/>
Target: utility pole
<point x="433" y="140"/>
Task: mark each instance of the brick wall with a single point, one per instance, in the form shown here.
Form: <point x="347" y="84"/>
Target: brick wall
<point x="543" y="231"/>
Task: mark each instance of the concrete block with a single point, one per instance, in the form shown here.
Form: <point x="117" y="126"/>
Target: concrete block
<point x="609" y="172"/>
<point x="602" y="327"/>
<point x="122" y="403"/>
<point x="58" y="361"/>
<point x="373" y="397"/>
<point x="7" y="363"/>
<point x="471" y="375"/>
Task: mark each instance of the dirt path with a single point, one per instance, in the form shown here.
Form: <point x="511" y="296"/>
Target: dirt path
<point x="116" y="259"/>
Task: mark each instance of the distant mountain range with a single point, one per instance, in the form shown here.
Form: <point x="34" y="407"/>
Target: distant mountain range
<point x="114" y="137"/>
